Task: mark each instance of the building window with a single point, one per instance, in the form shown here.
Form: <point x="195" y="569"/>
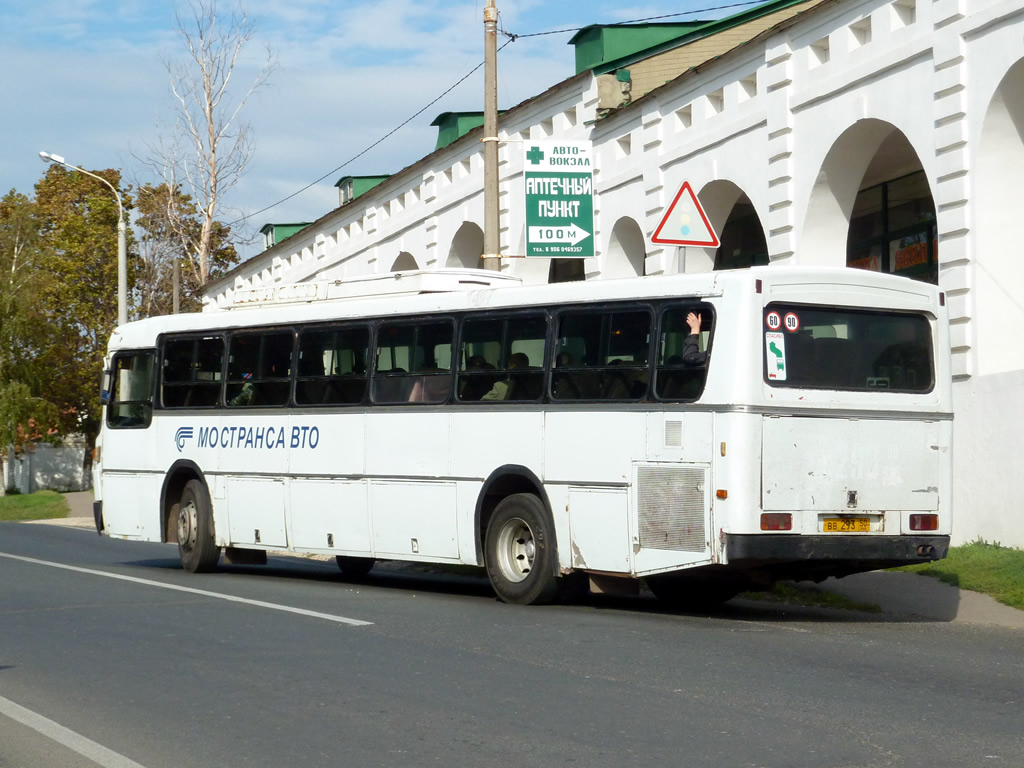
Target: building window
<point x="743" y="243"/>
<point x="566" y="271"/>
<point x="892" y="229"/>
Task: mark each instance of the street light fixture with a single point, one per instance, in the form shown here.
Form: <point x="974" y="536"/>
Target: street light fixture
<point x="122" y="247"/>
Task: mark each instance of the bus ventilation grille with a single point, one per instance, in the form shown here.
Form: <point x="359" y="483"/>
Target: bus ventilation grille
<point x="671" y="505"/>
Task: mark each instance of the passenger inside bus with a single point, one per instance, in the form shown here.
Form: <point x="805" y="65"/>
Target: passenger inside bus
<point x="565" y="386"/>
<point x="681" y="376"/>
<point x="691" y="352"/>
<point x="502" y="389"/>
<point x="476" y="385"/>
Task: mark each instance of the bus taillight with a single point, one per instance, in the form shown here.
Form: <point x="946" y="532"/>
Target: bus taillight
<point x="924" y="522"/>
<point x="776" y="521"/>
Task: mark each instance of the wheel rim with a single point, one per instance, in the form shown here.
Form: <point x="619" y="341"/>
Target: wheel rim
<point x="516" y="550"/>
<point x="187" y="524"/>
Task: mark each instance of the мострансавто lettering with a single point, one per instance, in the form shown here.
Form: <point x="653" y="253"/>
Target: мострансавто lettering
<point x="269" y="438"/>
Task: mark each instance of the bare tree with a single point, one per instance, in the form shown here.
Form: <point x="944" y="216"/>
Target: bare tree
<point x="211" y="145"/>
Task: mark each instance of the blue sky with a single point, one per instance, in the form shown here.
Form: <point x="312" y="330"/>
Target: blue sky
<point x="85" y="79"/>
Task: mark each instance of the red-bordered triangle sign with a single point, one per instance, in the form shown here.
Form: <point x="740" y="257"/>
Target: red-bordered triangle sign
<point x="685" y="222"/>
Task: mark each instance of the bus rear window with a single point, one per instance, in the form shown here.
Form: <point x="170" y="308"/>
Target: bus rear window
<point x="850" y="349"/>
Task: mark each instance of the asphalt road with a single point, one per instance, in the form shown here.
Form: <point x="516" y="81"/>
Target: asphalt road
<point x="111" y="655"/>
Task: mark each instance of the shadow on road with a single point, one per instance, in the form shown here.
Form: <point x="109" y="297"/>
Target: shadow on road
<point x="463" y="581"/>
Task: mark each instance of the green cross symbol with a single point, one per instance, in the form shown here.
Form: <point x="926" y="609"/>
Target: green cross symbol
<point x="535" y="155"/>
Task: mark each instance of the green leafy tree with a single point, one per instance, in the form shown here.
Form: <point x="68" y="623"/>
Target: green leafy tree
<point x="170" y="227"/>
<point x="25" y="416"/>
<point x="78" y="230"/>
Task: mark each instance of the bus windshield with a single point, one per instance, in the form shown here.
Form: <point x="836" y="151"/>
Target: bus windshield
<point x="835" y="348"/>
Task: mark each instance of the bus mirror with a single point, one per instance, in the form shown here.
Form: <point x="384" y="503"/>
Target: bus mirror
<point x="105" y="385"/>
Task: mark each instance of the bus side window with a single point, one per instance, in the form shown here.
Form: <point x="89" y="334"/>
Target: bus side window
<point x="503" y="359"/>
<point x="413" y="363"/>
<point x="602" y="355"/>
<point x="131" y="401"/>
<point x="682" y="366"/>
<point x="259" y="369"/>
<point x="192" y="372"/>
<point x="332" y="366"/>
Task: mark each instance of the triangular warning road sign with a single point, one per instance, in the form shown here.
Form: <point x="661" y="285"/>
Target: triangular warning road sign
<point x="685" y="223"/>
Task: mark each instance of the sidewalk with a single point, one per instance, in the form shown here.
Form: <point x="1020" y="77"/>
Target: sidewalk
<point x="910" y="596"/>
<point x="906" y="596"/>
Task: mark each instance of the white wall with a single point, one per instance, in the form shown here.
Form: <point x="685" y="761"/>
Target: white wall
<point x="48" y="467"/>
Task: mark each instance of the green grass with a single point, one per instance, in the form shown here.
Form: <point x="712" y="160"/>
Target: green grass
<point x="41" y="505"/>
<point x="980" y="567"/>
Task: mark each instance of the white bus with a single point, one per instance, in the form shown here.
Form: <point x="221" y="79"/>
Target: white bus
<point x="543" y="433"/>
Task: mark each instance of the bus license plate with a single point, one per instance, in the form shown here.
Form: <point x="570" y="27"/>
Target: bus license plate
<point x="847" y="524"/>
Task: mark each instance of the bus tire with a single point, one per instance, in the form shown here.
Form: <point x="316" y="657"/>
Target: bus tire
<point x="196" y="545"/>
<point x="354" y="567"/>
<point x="519" y="552"/>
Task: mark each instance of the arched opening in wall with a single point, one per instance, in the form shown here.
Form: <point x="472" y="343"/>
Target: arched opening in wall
<point x="998" y="272"/>
<point x="871" y="206"/>
<point x="404" y="262"/>
<point x="742" y="237"/>
<point x="566" y="271"/>
<point x="467" y="245"/>
<point x="892" y="225"/>
<point x="627" y="250"/>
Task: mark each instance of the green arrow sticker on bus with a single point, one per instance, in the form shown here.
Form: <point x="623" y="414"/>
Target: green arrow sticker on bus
<point x="775" y="351"/>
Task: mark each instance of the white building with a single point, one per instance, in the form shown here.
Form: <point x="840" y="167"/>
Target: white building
<point x="869" y="133"/>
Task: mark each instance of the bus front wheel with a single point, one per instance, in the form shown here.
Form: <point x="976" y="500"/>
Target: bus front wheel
<point x="196" y="546"/>
<point x="519" y="551"/>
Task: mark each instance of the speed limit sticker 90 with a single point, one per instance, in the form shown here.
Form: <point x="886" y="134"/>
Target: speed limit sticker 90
<point x="792" y="321"/>
<point x="773" y="320"/>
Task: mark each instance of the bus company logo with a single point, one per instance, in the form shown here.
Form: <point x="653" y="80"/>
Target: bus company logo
<point x="267" y="438"/>
<point x="183" y="434"/>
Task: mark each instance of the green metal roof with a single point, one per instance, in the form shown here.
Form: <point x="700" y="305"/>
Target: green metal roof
<point x="607" y="47"/>
<point x="452" y="126"/>
<point x="362" y="184"/>
<point x="598" y="44"/>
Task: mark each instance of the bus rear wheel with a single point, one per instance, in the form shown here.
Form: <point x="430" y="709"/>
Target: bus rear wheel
<point x="196" y="545"/>
<point x="519" y="552"/>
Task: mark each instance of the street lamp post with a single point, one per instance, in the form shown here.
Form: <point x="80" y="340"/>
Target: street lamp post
<point x="122" y="246"/>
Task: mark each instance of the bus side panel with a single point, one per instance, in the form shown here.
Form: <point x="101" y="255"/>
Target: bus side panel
<point x="414" y="520"/>
<point x="131" y="506"/>
<point x="599" y="529"/>
<point x="488" y="438"/>
<point x="256" y="511"/>
<point x="329" y="514"/>
<point x="407" y="443"/>
<point x="131" y="494"/>
<point x="585" y="448"/>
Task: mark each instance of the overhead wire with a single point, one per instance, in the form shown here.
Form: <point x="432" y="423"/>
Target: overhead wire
<point x="511" y="39"/>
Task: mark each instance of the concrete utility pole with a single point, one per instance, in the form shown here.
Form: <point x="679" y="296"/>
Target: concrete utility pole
<point x="492" y="244"/>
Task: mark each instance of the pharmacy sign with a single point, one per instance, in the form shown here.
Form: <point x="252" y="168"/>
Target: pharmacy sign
<point x="559" y="199"/>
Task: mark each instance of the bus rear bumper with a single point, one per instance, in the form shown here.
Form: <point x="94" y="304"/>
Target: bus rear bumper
<point x="794" y="556"/>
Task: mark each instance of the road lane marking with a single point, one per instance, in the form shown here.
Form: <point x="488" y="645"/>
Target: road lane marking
<point x="66" y="737"/>
<point x="193" y="591"/>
